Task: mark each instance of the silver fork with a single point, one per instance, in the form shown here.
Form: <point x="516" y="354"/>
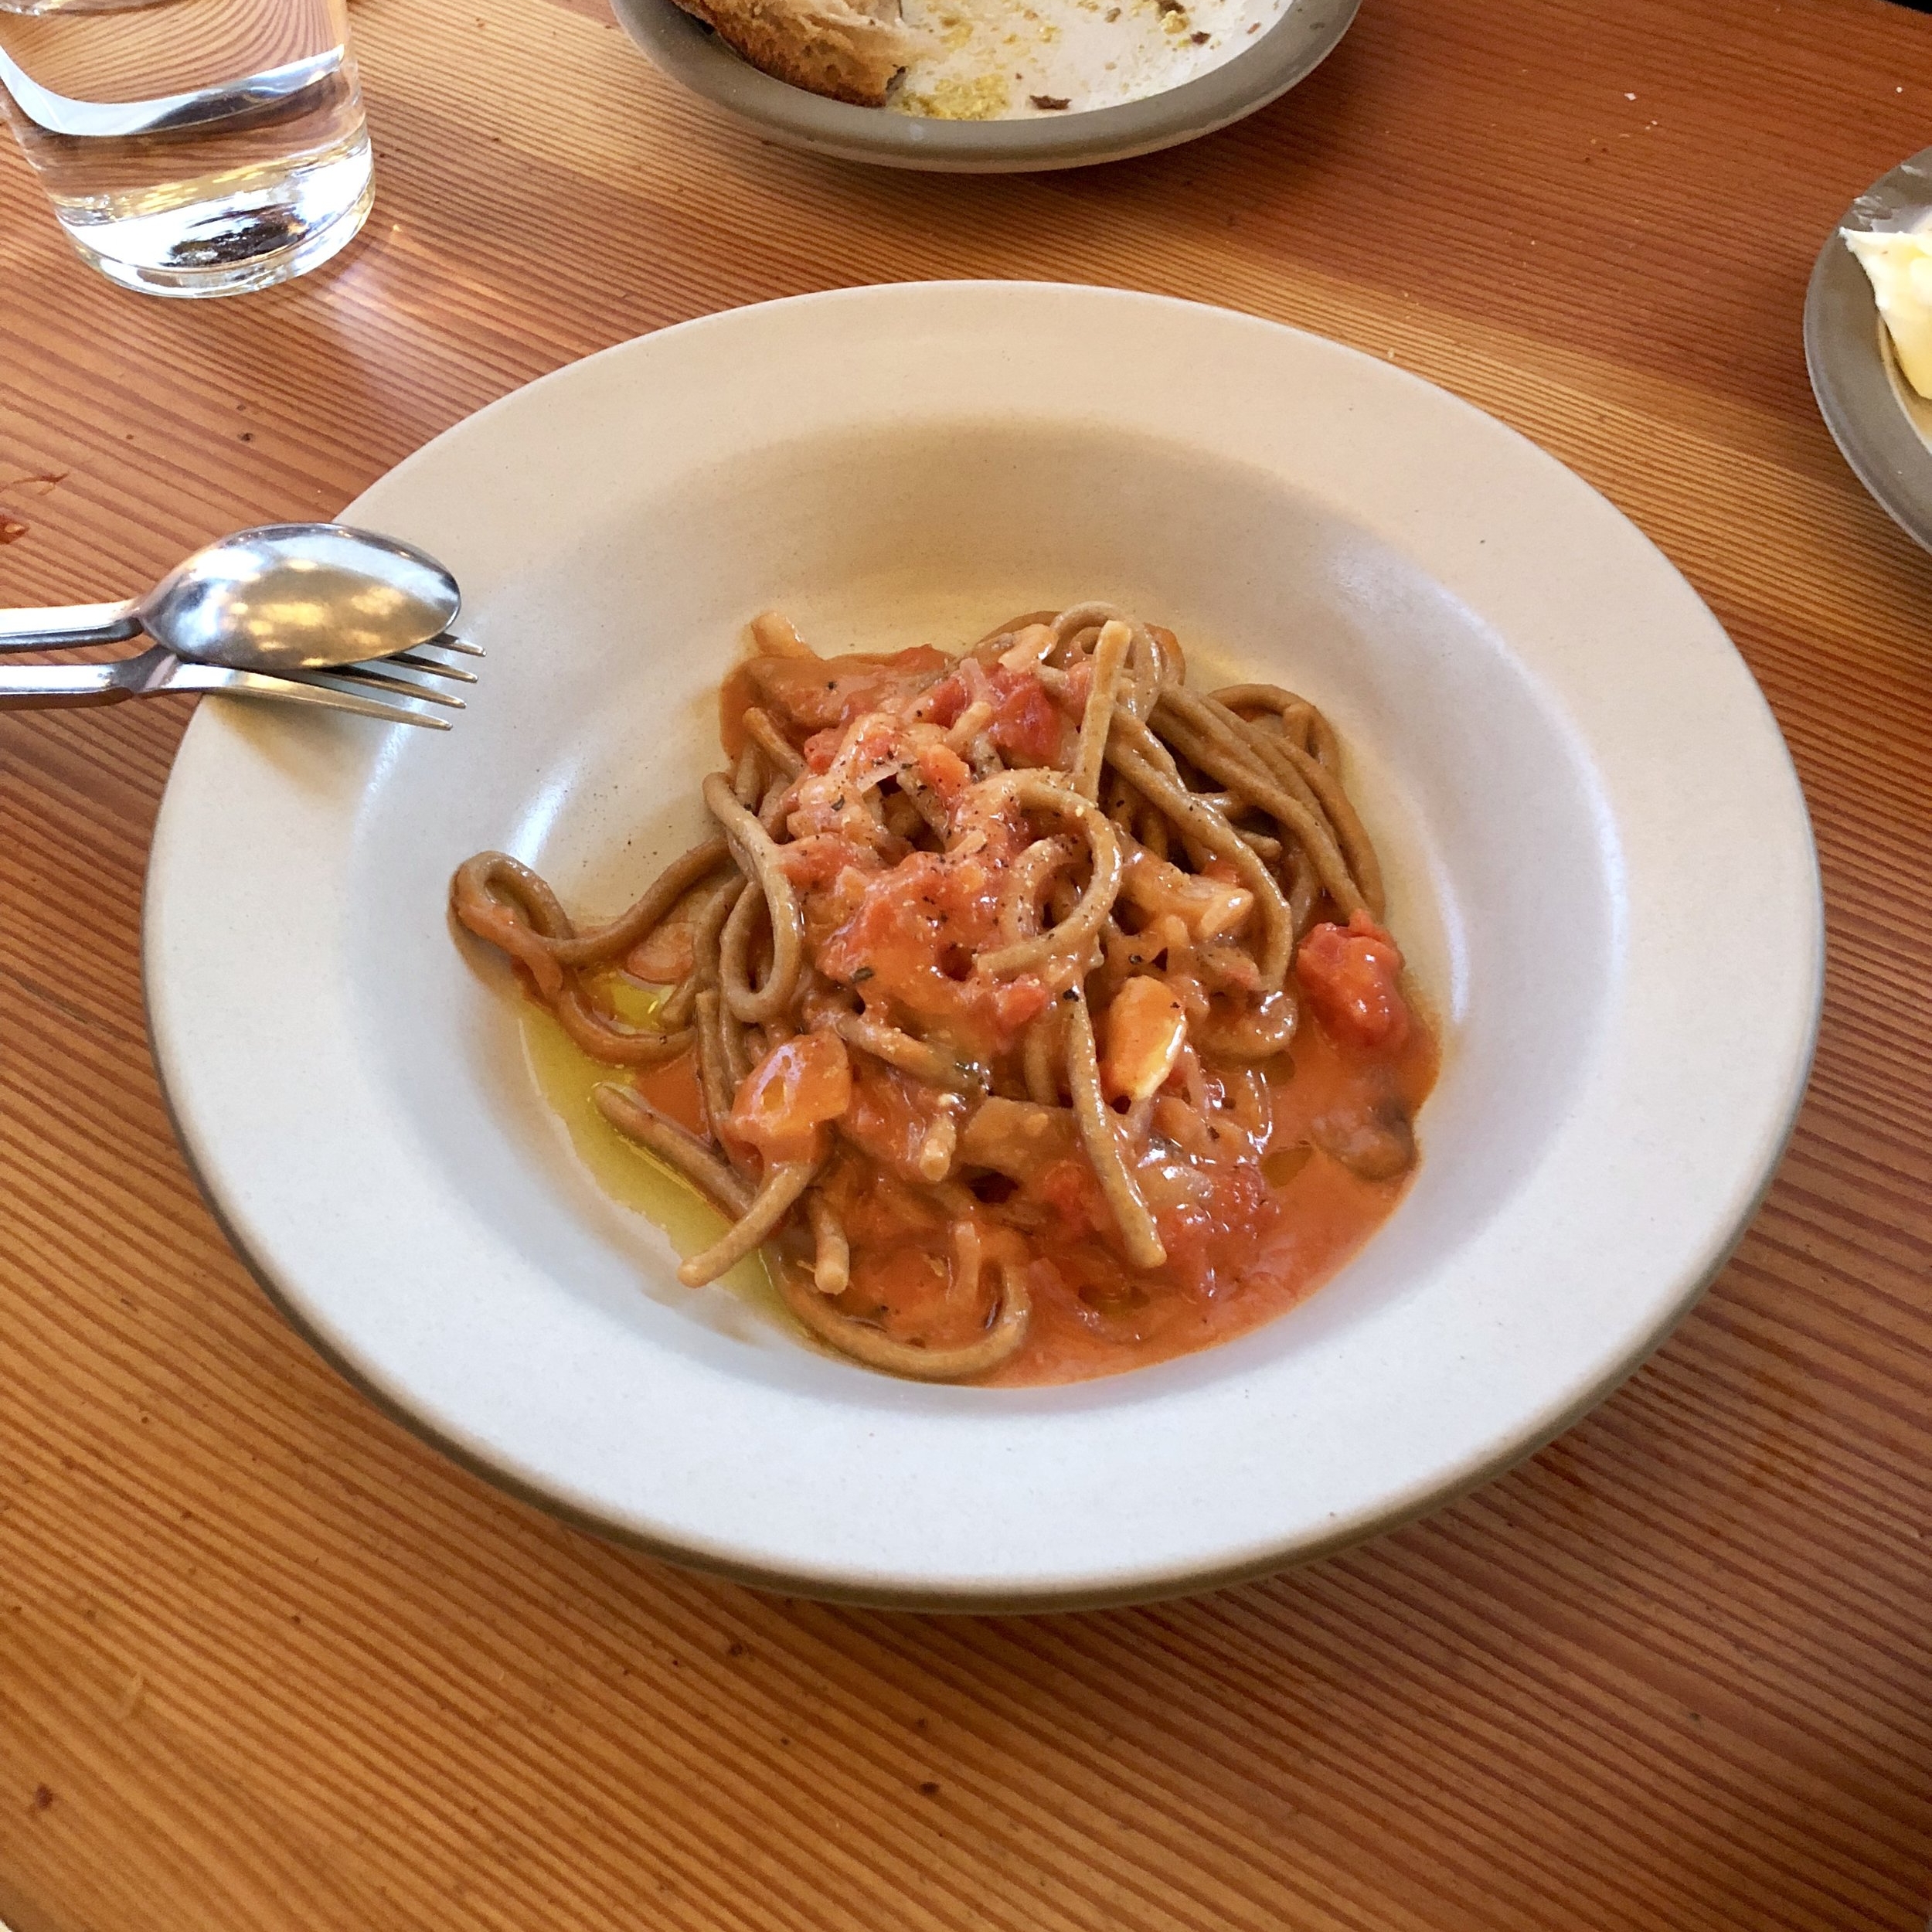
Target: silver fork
<point x="157" y="671"/>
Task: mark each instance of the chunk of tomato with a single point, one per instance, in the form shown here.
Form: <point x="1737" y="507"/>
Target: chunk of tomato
<point x="947" y="773"/>
<point x="1208" y="1242"/>
<point x="1352" y="975"/>
<point x="785" y="1101"/>
<point x="1026" y="722"/>
<point x="942" y="704"/>
<point x="1069" y="1189"/>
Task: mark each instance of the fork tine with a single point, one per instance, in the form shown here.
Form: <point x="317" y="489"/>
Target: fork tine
<point x="410" y="661"/>
<point x="260" y="684"/>
<point x="449" y="641"/>
<point x="368" y="675"/>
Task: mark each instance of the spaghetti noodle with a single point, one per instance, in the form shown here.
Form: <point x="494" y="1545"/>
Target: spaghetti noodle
<point x="1031" y="1011"/>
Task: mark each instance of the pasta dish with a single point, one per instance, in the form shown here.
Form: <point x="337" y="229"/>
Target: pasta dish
<point x="1031" y="1013"/>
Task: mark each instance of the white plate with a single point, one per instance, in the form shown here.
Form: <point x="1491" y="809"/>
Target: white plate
<point x="1600" y="857"/>
<point x="1276" y="60"/>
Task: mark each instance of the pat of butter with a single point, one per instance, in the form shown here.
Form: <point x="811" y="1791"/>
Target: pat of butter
<point x="1900" y="267"/>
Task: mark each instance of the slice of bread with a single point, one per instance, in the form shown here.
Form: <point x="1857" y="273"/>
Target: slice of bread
<point x="846" y="50"/>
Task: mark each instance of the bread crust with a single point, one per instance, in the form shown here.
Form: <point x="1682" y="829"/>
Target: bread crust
<point x="837" y="48"/>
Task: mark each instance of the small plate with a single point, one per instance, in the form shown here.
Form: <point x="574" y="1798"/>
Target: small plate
<point x="1598" y="858"/>
<point x="1883" y="429"/>
<point x="1288" y="52"/>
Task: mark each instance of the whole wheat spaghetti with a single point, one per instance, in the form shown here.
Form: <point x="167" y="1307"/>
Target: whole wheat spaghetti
<point x="1032" y="1012"/>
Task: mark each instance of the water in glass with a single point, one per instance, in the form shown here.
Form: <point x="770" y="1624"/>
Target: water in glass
<point x="190" y="147"/>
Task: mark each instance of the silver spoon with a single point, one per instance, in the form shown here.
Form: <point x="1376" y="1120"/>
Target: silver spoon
<point x="288" y="597"/>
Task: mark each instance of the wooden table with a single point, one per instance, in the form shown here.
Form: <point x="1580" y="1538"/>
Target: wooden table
<point x="265" y="1661"/>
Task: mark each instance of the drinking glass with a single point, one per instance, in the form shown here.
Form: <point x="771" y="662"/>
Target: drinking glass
<point x="190" y="147"/>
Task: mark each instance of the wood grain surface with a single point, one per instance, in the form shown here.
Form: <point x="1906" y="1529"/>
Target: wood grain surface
<point x="266" y="1662"/>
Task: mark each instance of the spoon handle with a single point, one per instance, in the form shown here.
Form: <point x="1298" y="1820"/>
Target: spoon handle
<point x="67" y="623"/>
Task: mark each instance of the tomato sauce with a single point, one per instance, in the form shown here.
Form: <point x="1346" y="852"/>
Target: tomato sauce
<point x="1262" y="1240"/>
<point x="1092" y="1317"/>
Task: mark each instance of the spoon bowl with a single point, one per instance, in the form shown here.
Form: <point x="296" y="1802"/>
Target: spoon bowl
<point x="300" y="597"/>
<point x="281" y="598"/>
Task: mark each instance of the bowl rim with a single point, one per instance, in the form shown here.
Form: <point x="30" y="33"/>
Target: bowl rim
<point x="1287" y="53"/>
<point x="1846" y="358"/>
<point x="202" y="1064"/>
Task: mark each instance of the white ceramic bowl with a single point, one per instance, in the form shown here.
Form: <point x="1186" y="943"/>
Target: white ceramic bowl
<point x="1599" y="857"/>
